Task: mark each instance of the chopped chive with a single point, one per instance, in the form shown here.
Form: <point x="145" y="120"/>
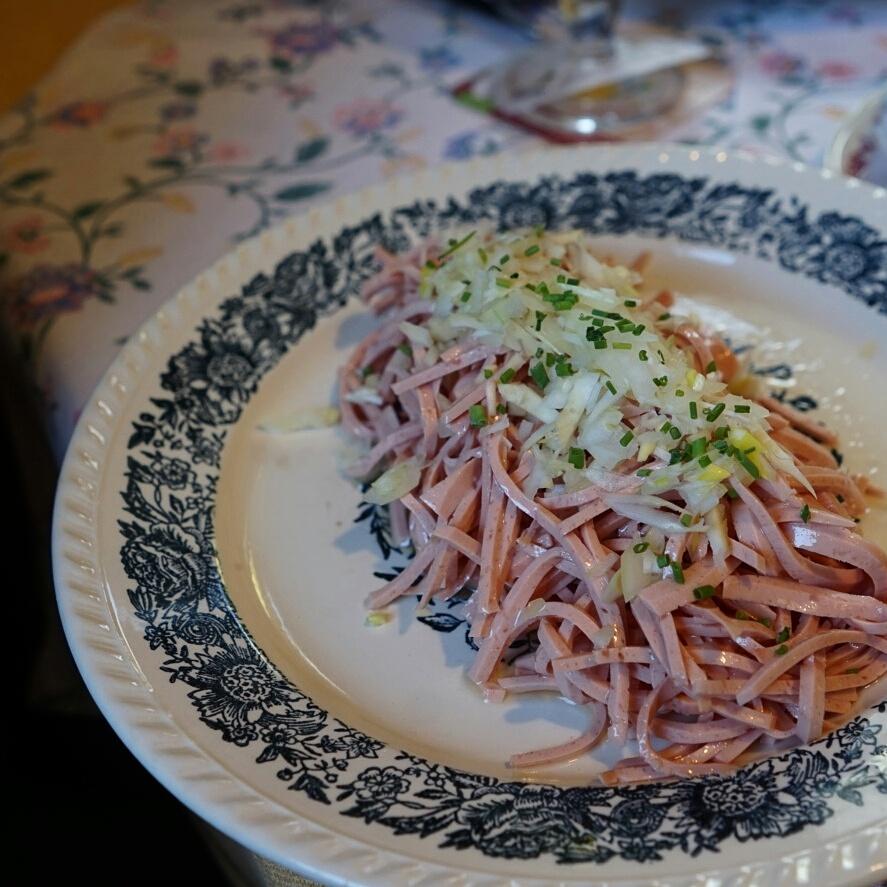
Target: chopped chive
<point x="741" y="408"/>
<point x="561" y="278"/>
<point x="781" y="650"/>
<point x="466" y="295"/>
<point x="600" y="343"/>
<point x="403" y="348"/>
<point x="805" y="513"/>
<point x="572" y="281"/>
<point x="515" y="275"/>
<point x="611" y="387"/>
<point x="507" y="375"/>
<point x="539" y="352"/>
<point x="694" y="412"/>
<point x="603" y="330"/>
<point x="660" y="381"/>
<point x="661" y="356"/>
<point x="852" y="671"/>
<point x="630" y="303"/>
<point x="686" y="520"/>
<point x="531" y="287"/>
<point x="640" y="547"/>
<point x="483" y="255"/>
<point x="697" y="447"/>
<point x="506" y="258"/>
<point x="457" y="244"/>
<point x="501" y="409"/>
<point x="677" y="455"/>
<point x="366" y="371"/>
<point x="622" y="346"/>
<point x="598" y="321"/>
<point x="539" y="230"/>
<point x="704" y="461"/>
<point x="711" y="368"/>
<point x="749" y="450"/>
<point x="642" y="355"/>
<point x="767" y="623"/>
<point x="576" y="458"/>
<point x="702" y="592"/>
<point x="477" y="416"/>
<point x="598" y="313"/>
<point x="783" y="635"/>
<point x="431" y="264"/>
<point x="644" y="472"/>
<point x="715" y="411"/>
<point x="540" y="316"/>
<point x="662" y="560"/>
<point x="504" y="282"/>
<point x="540" y="377"/>
<point x="664" y="316"/>
<point x="675" y="433"/>
<point x="488" y="374"/>
<point x="741" y="614"/>
<point x="550" y="359"/>
<point x="532" y="250"/>
<point x="748" y="465"/>
<point x="563" y="369"/>
<point x="625" y="325"/>
<point x="591" y="334"/>
<point x="626" y="438"/>
<point x="638" y="329"/>
<point x="555" y="262"/>
<point x="720" y="433"/>
<point x="666" y="425"/>
<point x="731" y="493"/>
<point x="677" y="573"/>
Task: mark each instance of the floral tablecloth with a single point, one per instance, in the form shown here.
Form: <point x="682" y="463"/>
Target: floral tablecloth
<point x="173" y="130"/>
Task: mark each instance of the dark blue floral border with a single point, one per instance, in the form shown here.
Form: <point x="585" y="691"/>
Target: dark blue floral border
<point x="178" y="595"/>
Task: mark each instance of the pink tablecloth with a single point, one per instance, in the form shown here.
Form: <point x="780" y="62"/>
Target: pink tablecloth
<point x="172" y="130"/>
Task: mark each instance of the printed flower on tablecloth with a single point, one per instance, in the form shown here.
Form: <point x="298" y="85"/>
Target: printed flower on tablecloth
<point x="223" y="70"/>
<point x="78" y="114"/>
<point x="297" y="39"/>
<point x="227" y="152"/>
<point x="164" y="56"/>
<point x="178" y="110"/>
<point x="49" y="290"/>
<point x="365" y="117"/>
<point x="178" y="139"/>
<point x="780" y="64"/>
<point x="472" y="143"/>
<point x="296" y="93"/>
<point x="26" y="236"/>
<point x="438" y="58"/>
<point x="835" y="69"/>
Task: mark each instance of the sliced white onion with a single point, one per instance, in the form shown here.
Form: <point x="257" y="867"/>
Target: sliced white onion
<point x="394" y="483"/>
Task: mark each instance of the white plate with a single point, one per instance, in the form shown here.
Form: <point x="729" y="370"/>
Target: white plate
<point x="216" y="614"/>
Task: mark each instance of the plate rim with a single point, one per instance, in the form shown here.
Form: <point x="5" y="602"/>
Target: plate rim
<point x="111" y="669"/>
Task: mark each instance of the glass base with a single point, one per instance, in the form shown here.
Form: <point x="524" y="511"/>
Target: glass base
<point x="535" y="86"/>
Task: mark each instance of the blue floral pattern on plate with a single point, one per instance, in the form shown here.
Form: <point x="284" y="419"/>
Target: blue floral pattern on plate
<point x="177" y="593"/>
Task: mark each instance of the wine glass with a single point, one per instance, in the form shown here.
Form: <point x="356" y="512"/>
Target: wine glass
<point x="580" y="79"/>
